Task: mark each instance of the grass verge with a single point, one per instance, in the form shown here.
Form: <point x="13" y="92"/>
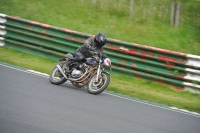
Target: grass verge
<point x="142" y="89"/>
<point x="112" y="18"/>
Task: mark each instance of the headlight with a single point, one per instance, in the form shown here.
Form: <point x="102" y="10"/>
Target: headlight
<point x="107" y="62"/>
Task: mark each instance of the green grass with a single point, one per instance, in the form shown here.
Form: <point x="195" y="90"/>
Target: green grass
<point x="112" y="18"/>
<point x="143" y="89"/>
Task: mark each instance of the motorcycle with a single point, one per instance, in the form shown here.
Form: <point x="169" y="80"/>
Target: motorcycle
<point x="89" y="73"/>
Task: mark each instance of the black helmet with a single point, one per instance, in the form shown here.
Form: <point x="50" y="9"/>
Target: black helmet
<point x="101" y="39"/>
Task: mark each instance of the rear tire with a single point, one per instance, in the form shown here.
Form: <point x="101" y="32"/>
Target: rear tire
<point x="55" y="78"/>
<point x="94" y="87"/>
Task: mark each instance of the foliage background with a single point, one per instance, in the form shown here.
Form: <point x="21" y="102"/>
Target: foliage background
<point x="149" y="26"/>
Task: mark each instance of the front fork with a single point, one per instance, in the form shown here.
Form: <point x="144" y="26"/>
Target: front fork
<point x="98" y="71"/>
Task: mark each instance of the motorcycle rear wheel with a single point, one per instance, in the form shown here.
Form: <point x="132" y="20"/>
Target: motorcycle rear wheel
<point x="94" y="87"/>
<point x="55" y="77"/>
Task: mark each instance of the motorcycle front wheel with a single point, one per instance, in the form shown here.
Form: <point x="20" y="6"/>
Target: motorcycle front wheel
<point x="56" y="77"/>
<point x="96" y="87"/>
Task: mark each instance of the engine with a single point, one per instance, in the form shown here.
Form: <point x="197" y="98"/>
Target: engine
<point x="76" y="73"/>
<point x="78" y="70"/>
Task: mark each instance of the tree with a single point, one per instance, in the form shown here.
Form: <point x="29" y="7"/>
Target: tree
<point x="172" y="12"/>
<point x="175" y="13"/>
<point x="178" y="8"/>
<point x="94" y="2"/>
<point x="131" y="8"/>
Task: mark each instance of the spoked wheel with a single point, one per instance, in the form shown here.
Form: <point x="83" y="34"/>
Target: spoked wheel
<point x="56" y="76"/>
<point x="96" y="87"/>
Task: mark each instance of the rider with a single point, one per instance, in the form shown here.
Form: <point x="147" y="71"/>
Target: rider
<point x="91" y="47"/>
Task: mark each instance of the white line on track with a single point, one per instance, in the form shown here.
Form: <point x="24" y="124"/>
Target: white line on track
<point x="138" y="101"/>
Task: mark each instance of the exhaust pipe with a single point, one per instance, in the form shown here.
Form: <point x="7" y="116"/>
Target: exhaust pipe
<point x="60" y="69"/>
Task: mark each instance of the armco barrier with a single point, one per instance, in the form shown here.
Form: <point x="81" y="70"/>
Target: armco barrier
<point x="174" y="68"/>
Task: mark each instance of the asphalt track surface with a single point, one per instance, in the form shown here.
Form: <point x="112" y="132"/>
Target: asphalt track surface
<point x="29" y="103"/>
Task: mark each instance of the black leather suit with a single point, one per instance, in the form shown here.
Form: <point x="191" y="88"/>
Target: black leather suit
<point x="88" y="49"/>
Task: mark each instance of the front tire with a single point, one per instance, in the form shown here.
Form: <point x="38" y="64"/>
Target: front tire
<point x="94" y="87"/>
<point x="55" y="77"/>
